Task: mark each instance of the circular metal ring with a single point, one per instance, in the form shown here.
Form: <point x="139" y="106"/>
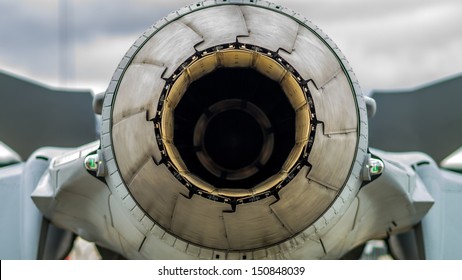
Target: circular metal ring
<point x="266" y="129"/>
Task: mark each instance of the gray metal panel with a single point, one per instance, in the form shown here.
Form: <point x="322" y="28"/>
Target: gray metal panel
<point x="217" y="25"/>
<point x="333" y="243"/>
<point x="30" y="216"/>
<point x="156" y="191"/>
<point x="307" y="249"/>
<point x="10" y="243"/>
<point x="442" y="225"/>
<point x="169" y="47"/>
<point x="268" y="29"/>
<point x="335" y="105"/>
<point x="312" y="58"/>
<point x="200" y="220"/>
<point x="261" y="225"/>
<point x="128" y="238"/>
<point x="139" y="90"/>
<point x="153" y="249"/>
<point x="332" y="157"/>
<point x="134" y="144"/>
<point x="291" y="208"/>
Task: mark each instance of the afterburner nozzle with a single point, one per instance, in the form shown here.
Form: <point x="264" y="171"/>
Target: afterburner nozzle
<point x="235" y="121"/>
<point x="234" y="126"/>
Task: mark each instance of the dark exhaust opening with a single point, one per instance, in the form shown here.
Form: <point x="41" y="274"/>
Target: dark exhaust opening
<point x="234" y="128"/>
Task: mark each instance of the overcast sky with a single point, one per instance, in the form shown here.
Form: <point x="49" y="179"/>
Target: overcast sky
<point x="390" y="44"/>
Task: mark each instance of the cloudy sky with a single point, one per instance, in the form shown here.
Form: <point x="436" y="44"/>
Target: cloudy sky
<point x="390" y="44"/>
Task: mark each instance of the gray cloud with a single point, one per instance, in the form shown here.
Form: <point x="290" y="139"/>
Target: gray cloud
<point x="390" y="44"/>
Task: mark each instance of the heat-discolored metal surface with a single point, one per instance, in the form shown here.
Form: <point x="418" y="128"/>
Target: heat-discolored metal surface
<point x="223" y="25"/>
<point x="277" y="32"/>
